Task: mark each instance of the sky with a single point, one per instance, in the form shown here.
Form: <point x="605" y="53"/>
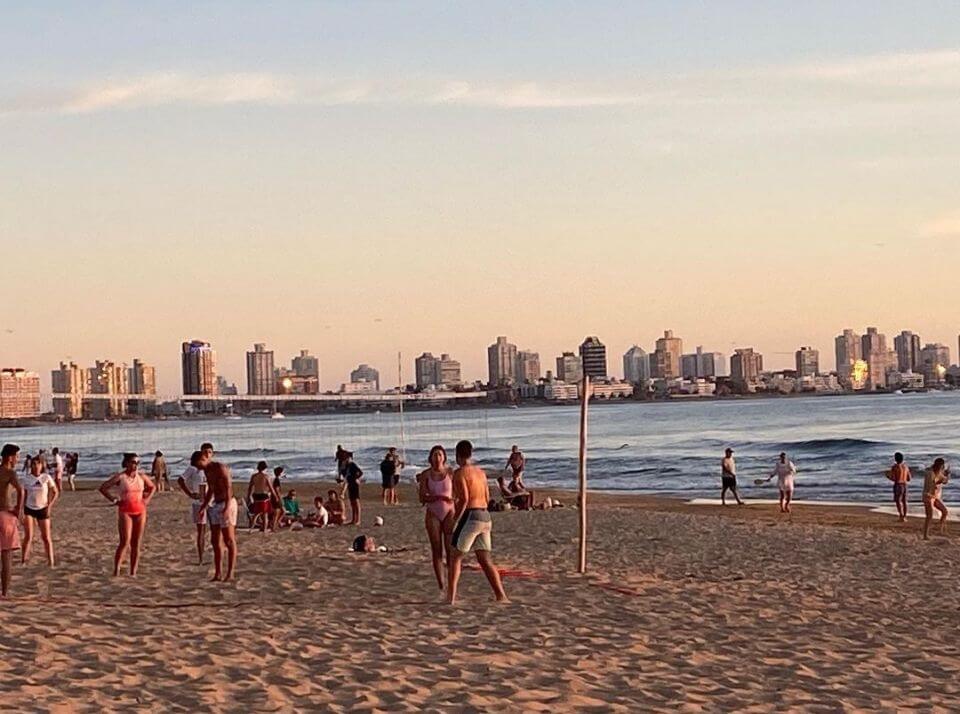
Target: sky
<point x="367" y="178"/>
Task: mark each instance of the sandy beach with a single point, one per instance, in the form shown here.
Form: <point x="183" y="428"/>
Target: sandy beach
<point x="683" y="608"/>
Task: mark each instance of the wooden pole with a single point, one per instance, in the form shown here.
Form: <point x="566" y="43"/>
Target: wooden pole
<point x="403" y="441"/>
<point x="584" y="398"/>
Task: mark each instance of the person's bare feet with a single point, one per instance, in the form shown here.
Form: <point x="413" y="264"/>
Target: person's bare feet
<point x="216" y="578"/>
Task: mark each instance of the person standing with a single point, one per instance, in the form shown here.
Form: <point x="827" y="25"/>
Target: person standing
<point x="71" y="469"/>
<point x="390" y="475"/>
<point x="784" y="470"/>
<point x="194" y="484"/>
<point x="900" y="475"/>
<point x="936" y="476"/>
<point x="130" y="490"/>
<point x="11" y="512"/>
<point x="728" y="478"/>
<point x="222" y="515"/>
<point x="353" y="476"/>
<point x="261" y="495"/>
<point x="41" y="493"/>
<point x="516" y="462"/>
<point x="57" y="467"/>
<point x="473" y="530"/>
<point x="158" y="472"/>
<point x="436" y="493"/>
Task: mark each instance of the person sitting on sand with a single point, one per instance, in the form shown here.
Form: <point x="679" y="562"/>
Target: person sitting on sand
<point x="784" y="470"/>
<point x="291" y="508"/>
<point x="933" y="481"/>
<point x="900" y="474"/>
<point x="334" y="506"/>
<point x="319" y="517"/>
<point x="515" y="493"/>
<point x="728" y="478"/>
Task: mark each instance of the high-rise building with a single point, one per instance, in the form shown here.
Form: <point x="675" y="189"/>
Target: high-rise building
<point x="873" y="348"/>
<point x="289" y="382"/>
<point x="712" y="364"/>
<point x="142" y="379"/>
<point x="808" y="362"/>
<point x="426" y="368"/>
<point x="593" y="356"/>
<point x="907" y="346"/>
<point x="305" y="365"/>
<point x="667" y="357"/>
<point x="225" y="388"/>
<point x="636" y="365"/>
<point x="199" y="367"/>
<point x="260" y="377"/>
<point x="366" y="373"/>
<point x="70" y="380"/>
<point x="19" y="394"/>
<point x="107" y="378"/>
<point x="746" y="366"/>
<point x="849" y="351"/>
<point x="934" y="361"/>
<point x="569" y="368"/>
<point x="449" y="375"/>
<point x="502" y="363"/>
<point x="528" y="367"/>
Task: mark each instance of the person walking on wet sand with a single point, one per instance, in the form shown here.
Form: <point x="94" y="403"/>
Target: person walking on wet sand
<point x="933" y="481"/>
<point x="784" y="471"/>
<point x="900" y="474"/>
<point x="473" y="530"/>
<point x="222" y="513"/>
<point x="728" y="478"/>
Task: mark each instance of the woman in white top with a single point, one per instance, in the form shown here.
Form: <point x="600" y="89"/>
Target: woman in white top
<point x="784" y="471"/>
<point x="41" y="494"/>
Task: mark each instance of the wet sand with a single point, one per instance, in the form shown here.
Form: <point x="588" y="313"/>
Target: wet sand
<point x="684" y="607"/>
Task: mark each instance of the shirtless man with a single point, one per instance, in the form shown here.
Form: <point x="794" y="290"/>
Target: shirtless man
<point x="261" y="495"/>
<point x="471" y="496"/>
<point x="900" y="475"/>
<point x="516" y="462"/>
<point x="11" y="512"/>
<point x="194" y="484"/>
<point x="158" y="472"/>
<point x="222" y="514"/>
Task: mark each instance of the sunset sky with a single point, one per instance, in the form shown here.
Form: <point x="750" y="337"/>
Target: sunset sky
<point x="363" y="178"/>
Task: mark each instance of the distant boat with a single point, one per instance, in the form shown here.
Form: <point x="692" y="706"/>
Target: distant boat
<point x="277" y="415"/>
<point x="233" y="417"/>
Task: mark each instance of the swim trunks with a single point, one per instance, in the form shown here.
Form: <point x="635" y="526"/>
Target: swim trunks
<point x="473" y="531"/>
<point x="9" y="531"/>
<point x="198" y="515"/>
<point x="900" y="490"/>
<point x="728" y="481"/>
<point x="262" y="503"/>
<point x="223" y="514"/>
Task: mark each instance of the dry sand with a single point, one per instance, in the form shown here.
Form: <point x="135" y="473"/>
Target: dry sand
<point x="684" y="608"/>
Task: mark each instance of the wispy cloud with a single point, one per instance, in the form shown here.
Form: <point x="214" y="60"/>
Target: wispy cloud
<point x="910" y="77"/>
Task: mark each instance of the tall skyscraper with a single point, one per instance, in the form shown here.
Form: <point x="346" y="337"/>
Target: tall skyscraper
<point x="426" y="369"/>
<point x="199" y="367"/>
<point x="502" y="363"/>
<point x="849" y="352"/>
<point x="260" y="377"/>
<point x="873" y="348"/>
<point x="712" y="364"/>
<point x="112" y="379"/>
<point x="366" y="373"/>
<point x="746" y="366"/>
<point x="808" y="362"/>
<point x="636" y="365"/>
<point x="449" y="371"/>
<point x="666" y="361"/>
<point x="305" y="365"/>
<point x="71" y="380"/>
<point x="569" y="368"/>
<point x="528" y="367"/>
<point x="934" y="361"/>
<point x="19" y="394"/>
<point x="142" y="379"/>
<point x="593" y="355"/>
<point x="907" y="346"/>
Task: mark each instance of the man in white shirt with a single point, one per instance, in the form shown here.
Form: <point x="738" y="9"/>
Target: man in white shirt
<point x="193" y="482"/>
<point x="728" y="478"/>
<point x="784" y="471"/>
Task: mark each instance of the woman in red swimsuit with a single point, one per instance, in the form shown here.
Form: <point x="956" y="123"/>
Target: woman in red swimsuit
<point x="131" y="491"/>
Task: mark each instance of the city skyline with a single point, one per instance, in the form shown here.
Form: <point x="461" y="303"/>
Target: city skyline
<point x="741" y="179"/>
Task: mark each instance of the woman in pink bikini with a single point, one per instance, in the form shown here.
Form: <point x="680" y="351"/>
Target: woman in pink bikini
<point x="130" y="491"/>
<point x="436" y="493"/>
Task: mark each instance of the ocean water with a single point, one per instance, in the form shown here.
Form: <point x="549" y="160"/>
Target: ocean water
<point x="841" y="445"/>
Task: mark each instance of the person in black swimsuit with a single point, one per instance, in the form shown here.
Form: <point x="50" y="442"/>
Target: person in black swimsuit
<point x="353" y="475"/>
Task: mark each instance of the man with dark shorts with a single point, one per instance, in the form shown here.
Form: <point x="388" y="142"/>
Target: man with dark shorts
<point x="11" y="512"/>
<point x="390" y="474"/>
<point x="261" y="495"/>
<point x="728" y="478"/>
<point x="900" y="475"/>
<point x="353" y="476"/>
<point x="471" y="495"/>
